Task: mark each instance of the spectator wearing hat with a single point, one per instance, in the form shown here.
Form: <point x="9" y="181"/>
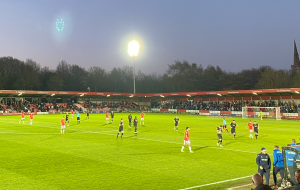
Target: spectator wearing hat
<point x="263" y="162"/>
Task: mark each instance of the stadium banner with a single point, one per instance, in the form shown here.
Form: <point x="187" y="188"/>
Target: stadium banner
<point x="155" y="109"/>
<point x="193" y="111"/>
<point x="42" y="113"/>
<point x="214" y="113"/>
<point x="26" y="113"/>
<point x="225" y="113"/>
<point x="181" y="110"/>
<point x="172" y="110"/>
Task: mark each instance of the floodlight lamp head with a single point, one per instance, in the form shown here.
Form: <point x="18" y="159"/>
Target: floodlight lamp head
<point x="133" y="49"/>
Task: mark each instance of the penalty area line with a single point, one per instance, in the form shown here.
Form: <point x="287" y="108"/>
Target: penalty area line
<point x="217" y="182"/>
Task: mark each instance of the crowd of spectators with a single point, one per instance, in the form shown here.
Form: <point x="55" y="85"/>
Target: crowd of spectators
<point x="285" y="107"/>
<point x="113" y="105"/>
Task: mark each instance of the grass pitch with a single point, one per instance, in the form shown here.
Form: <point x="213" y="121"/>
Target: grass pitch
<point x="89" y="156"/>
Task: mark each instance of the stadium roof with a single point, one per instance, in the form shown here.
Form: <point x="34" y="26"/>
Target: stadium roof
<point x="282" y="91"/>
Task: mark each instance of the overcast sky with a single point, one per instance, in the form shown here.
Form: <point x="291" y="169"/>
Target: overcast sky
<point x="234" y="34"/>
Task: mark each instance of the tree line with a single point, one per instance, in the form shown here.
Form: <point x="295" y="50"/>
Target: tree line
<point x="181" y="76"/>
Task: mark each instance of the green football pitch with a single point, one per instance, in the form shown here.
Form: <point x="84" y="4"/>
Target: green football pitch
<point x="89" y="156"/>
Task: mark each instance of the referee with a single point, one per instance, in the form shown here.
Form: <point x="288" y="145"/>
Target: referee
<point x="263" y="162"/>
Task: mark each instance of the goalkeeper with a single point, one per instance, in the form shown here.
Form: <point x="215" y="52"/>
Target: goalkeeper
<point x="261" y="115"/>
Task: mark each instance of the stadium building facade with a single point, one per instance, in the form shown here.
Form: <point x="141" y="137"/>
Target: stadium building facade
<point x="153" y="101"/>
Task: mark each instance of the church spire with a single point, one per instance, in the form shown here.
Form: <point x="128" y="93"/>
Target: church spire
<point x="296" y="55"/>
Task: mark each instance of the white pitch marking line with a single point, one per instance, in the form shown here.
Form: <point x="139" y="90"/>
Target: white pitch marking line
<point x="216" y="182"/>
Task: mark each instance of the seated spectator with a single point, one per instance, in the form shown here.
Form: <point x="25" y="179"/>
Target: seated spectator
<point x="258" y="182"/>
<point x="293" y="142"/>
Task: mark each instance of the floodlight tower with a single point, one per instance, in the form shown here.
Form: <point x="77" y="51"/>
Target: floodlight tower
<point x="133" y="50"/>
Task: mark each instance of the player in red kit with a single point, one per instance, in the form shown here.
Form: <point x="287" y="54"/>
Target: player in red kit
<point x="22" y="117"/>
<point x="107" y="118"/>
<point x="62" y="125"/>
<point x="187" y="140"/>
<point x="31" y="118"/>
<point x="72" y="112"/>
<point x="250" y="126"/>
<point x="142" y="118"/>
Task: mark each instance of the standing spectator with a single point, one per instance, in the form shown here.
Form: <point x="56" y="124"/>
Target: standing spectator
<point x="277" y="164"/>
<point x="290" y="161"/>
<point x="263" y="162"/>
<point x="258" y="182"/>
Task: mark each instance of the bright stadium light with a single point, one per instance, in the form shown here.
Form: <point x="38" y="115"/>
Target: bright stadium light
<point x="20" y="94"/>
<point x="188" y="95"/>
<point x="82" y="95"/>
<point x="297" y="92"/>
<point x="133" y="50"/>
<point x="254" y="93"/>
<point x="219" y="94"/>
<point x="52" y="94"/>
<point x="108" y="95"/>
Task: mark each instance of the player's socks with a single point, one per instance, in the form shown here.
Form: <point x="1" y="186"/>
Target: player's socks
<point x="117" y="135"/>
<point x="234" y="136"/>
<point x="122" y="135"/>
<point x="256" y="136"/>
<point x="182" y="148"/>
<point x="220" y="142"/>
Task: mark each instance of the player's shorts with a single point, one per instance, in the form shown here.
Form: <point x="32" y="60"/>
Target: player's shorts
<point x="78" y="118"/>
<point x="224" y="126"/>
<point x="135" y="125"/>
<point x="142" y="119"/>
<point x="31" y="120"/>
<point x="186" y="142"/>
<point x="63" y="126"/>
<point x="22" y="118"/>
<point x="87" y="114"/>
<point x="251" y="130"/>
<point x="176" y="124"/>
<point x="255" y="130"/>
<point x="232" y="130"/>
<point x="220" y="136"/>
<point x="121" y="129"/>
<point x="107" y="119"/>
<point x="129" y="121"/>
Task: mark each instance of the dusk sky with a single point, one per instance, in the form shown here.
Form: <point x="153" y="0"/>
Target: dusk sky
<point x="234" y="34"/>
